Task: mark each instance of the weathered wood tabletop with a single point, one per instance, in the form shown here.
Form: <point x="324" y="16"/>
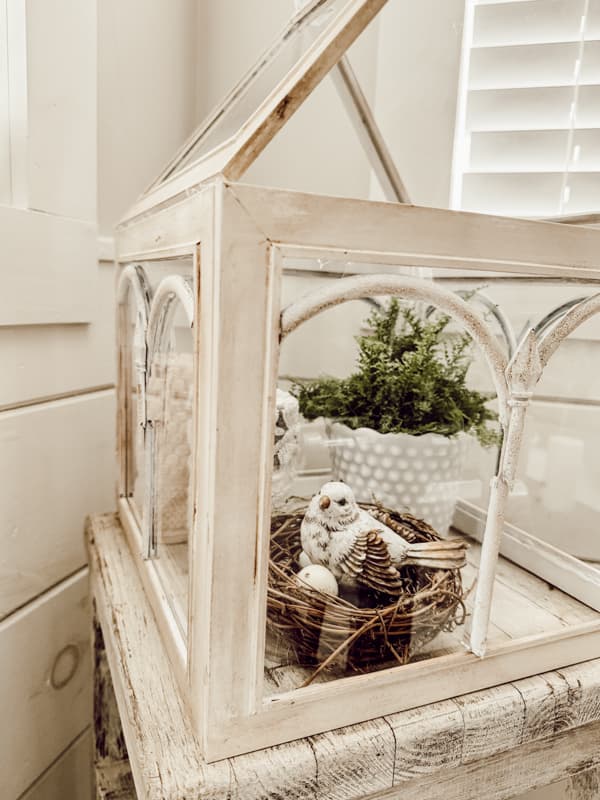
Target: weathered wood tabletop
<point x="495" y="743"/>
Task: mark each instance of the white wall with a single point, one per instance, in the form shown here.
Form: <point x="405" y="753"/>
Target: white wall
<point x="317" y="150"/>
<point x="418" y="59"/>
<point x="408" y="63"/>
<point x="146" y="95"/>
<point x="113" y="93"/>
<point x="56" y="396"/>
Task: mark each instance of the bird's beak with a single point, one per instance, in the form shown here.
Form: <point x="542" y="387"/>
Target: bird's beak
<point x="324" y="502"/>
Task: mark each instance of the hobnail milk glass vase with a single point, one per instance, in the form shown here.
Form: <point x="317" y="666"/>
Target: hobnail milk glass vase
<point x="418" y="474"/>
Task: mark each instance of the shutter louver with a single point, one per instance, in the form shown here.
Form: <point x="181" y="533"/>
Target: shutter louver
<point x="528" y="118"/>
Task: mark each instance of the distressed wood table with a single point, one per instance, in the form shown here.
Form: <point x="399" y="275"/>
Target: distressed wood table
<point x="494" y="744"/>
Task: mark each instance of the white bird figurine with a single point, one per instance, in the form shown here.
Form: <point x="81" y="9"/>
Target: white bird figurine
<point x="360" y="550"/>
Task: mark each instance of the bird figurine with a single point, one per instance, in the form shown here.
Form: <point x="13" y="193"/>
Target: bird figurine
<point x="359" y="550"/>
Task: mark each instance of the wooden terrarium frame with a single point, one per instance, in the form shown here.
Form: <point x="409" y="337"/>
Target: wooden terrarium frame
<point x="237" y="239"/>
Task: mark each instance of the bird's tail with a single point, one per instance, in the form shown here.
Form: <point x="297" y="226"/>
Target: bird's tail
<point x="442" y="554"/>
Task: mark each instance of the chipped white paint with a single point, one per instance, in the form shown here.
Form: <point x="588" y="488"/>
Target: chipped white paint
<point x="244" y="235"/>
<point x="506" y="739"/>
<point x="522" y="373"/>
<point x="357" y="287"/>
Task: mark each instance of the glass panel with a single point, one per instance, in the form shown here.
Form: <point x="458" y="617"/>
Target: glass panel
<point x="404" y="425"/>
<point x="158" y="455"/>
<point x="380" y="441"/>
<point x="501" y="139"/>
<point x="135" y="460"/>
<point x="564" y="405"/>
<point x="554" y="503"/>
<point x="260" y="82"/>
<point x="170" y="410"/>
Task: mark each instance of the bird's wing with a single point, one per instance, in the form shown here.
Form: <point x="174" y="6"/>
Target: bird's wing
<point x="437" y="553"/>
<point x="397" y="545"/>
<point x="367" y="561"/>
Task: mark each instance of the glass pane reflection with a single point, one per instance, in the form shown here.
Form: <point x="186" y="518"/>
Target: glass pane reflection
<point x="321" y="631"/>
<point x="262" y="79"/>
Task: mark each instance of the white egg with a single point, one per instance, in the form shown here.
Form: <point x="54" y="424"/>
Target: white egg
<point x="318" y="577"/>
<point x="304" y="560"/>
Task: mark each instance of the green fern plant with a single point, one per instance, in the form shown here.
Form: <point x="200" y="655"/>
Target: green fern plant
<point x="410" y="378"/>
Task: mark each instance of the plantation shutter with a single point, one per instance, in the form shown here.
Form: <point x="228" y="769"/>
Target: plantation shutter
<point x="528" y="116"/>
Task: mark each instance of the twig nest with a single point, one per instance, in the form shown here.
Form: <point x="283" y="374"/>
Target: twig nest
<point x="318" y="577"/>
<point x="362" y="630"/>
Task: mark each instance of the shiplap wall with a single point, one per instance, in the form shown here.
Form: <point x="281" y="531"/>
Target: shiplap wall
<point x="80" y="82"/>
<point x="56" y="395"/>
<point x="56" y="346"/>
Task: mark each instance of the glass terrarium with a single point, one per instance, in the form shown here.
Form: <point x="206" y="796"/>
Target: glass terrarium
<point x="340" y="472"/>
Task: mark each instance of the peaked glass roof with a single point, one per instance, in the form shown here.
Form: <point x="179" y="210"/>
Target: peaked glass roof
<point x="321" y="31"/>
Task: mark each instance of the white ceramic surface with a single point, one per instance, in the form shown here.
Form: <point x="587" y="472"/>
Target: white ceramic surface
<point x="419" y="474"/>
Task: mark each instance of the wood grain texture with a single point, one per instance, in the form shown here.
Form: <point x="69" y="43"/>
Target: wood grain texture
<point x="428" y="739"/>
<point x="112" y="770"/>
<point x="367" y="764"/>
<point x="485" y="735"/>
<point x="584" y="786"/>
<point x="45" y="690"/>
<point x="418" y="236"/>
<point x="509" y="731"/>
<point x="109" y="744"/>
<point x="506" y="775"/>
<point x="155" y="723"/>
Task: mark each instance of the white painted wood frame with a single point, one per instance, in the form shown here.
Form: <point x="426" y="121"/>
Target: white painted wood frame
<point x="506" y="739"/>
<point x="240" y="236"/>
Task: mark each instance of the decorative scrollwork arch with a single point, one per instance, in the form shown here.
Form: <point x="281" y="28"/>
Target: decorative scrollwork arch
<point x="362" y="286"/>
<point x="171" y="288"/>
<point x="133" y="278"/>
<point x="569" y="322"/>
<point x="132" y="282"/>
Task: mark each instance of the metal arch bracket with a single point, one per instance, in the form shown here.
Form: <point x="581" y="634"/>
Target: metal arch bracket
<point x="362" y="286"/>
<point x="169" y="291"/>
<point x="133" y="280"/>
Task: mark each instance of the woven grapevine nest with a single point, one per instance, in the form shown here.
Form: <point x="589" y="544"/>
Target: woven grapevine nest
<point x="361" y="629"/>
